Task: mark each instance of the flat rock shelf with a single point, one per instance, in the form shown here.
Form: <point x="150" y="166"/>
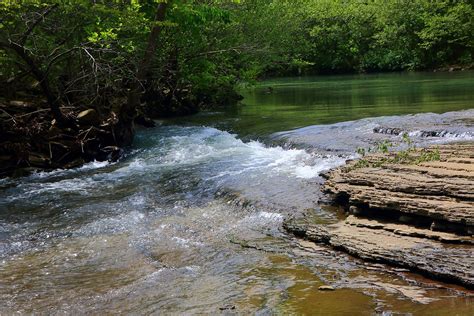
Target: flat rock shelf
<point x="417" y="214"/>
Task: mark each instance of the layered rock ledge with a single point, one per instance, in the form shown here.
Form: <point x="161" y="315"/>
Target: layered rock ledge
<point x="397" y="246"/>
<point x="416" y="213"/>
<point x="440" y="192"/>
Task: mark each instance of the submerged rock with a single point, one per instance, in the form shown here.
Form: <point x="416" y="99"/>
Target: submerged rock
<point x="388" y="130"/>
<point x="419" y="133"/>
<point x="326" y="288"/>
<point x="227" y="307"/>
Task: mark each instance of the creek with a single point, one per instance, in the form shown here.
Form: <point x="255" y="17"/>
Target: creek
<point x="190" y="221"/>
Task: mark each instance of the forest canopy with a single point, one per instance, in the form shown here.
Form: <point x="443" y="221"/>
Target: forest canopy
<point x="108" y="64"/>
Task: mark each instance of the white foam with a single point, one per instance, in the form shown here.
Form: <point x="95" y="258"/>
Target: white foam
<point x="185" y="243"/>
<point x="209" y="145"/>
<point x="270" y="216"/>
<point x="80" y="186"/>
<point x="211" y="154"/>
<point x="116" y="224"/>
<point x="260" y="218"/>
<point x="88" y="166"/>
<point x="96" y="165"/>
<point x="445" y="136"/>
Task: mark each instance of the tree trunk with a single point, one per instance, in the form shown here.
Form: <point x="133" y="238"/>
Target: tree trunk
<point x="145" y="63"/>
<point x="128" y="111"/>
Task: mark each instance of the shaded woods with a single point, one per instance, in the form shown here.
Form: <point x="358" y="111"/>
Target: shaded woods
<point x="76" y="77"/>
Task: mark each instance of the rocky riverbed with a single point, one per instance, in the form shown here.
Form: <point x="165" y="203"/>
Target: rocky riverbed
<point x="416" y="213"/>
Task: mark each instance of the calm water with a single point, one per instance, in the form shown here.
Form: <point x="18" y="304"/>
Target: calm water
<point x="190" y="221"/>
<point x="297" y="102"/>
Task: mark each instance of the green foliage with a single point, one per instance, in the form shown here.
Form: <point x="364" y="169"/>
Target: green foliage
<point x="384" y="35"/>
<point x="448" y="32"/>
<point x="384" y="146"/>
<point x="361" y="151"/>
<point x="410" y="155"/>
<point x="90" y="50"/>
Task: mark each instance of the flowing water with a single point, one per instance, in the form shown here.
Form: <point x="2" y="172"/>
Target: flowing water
<point x="190" y="220"/>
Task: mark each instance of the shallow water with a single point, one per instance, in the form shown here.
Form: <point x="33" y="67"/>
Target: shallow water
<point x="190" y="221"/>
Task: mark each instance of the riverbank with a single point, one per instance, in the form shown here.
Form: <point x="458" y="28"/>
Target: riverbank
<point x="416" y="213"/>
<point x="32" y="140"/>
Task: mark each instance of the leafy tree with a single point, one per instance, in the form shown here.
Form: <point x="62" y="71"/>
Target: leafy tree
<point x="126" y="60"/>
<point x="448" y="32"/>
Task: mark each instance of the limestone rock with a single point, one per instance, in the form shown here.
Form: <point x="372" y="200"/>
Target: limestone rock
<point x="414" y="216"/>
<point x="439" y="190"/>
<point x="447" y="262"/>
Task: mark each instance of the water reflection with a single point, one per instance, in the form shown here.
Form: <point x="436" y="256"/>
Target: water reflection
<point x="299" y="102"/>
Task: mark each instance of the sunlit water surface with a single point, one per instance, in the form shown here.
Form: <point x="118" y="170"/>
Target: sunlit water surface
<point x="190" y="221"/>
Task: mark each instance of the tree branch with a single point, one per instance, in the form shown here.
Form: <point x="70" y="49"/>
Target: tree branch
<point x="51" y="62"/>
<point x="40" y="76"/>
<point x="36" y="22"/>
